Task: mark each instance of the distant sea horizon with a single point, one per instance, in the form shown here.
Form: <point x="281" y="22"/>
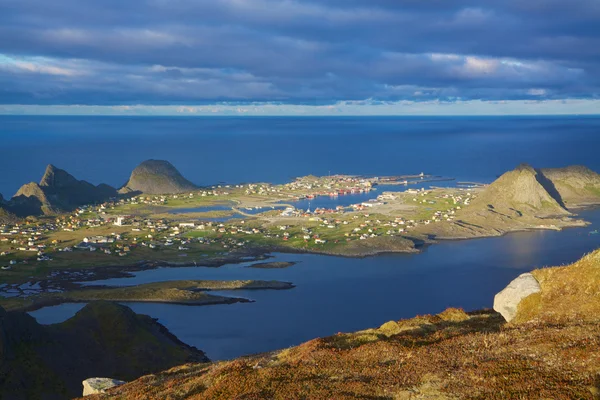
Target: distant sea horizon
<point x="235" y="149"/>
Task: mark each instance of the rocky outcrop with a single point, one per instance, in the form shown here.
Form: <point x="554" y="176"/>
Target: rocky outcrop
<point x="58" y="191"/>
<point x="99" y="385"/>
<point x="507" y="301"/>
<point x="103" y="339"/>
<point x="57" y="178"/>
<point x="157" y="177"/>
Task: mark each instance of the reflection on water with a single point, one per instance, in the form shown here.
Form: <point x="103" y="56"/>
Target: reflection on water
<point x="334" y="294"/>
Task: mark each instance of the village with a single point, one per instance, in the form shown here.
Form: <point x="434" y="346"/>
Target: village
<point x="141" y="228"/>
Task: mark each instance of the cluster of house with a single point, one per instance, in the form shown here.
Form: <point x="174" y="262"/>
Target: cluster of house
<point x="25" y="237"/>
<point x="151" y="233"/>
<point x="261" y="189"/>
<point x="310" y="187"/>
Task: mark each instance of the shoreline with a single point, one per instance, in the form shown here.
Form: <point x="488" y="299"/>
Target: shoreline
<point x="67" y="280"/>
<point x="189" y="292"/>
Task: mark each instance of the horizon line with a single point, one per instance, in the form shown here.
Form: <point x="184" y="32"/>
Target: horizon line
<point x="351" y="108"/>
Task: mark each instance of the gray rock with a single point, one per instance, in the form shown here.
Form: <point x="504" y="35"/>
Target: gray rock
<point x="99" y="385"/>
<point x="507" y="301"/>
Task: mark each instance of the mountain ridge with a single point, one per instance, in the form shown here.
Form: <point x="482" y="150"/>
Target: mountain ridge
<point x="58" y="191"/>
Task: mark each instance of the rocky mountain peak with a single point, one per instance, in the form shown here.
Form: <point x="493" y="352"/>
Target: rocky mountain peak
<point x="57" y="178"/>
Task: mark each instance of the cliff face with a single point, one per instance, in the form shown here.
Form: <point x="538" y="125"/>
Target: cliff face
<point x="550" y="351"/>
<point x="103" y="339"/>
<point x="157" y="177"/>
<point x="58" y="191"/>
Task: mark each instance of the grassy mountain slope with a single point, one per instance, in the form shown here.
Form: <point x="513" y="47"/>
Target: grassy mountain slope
<point x="520" y="199"/>
<point x="520" y="191"/>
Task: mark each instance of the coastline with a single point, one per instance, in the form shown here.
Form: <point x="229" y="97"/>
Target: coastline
<point x="190" y="293"/>
<point x="69" y="279"/>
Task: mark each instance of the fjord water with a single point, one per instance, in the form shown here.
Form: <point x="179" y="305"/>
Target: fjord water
<point x="335" y="294"/>
<point x="220" y="149"/>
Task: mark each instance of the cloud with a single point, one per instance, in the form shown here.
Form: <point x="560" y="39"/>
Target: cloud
<point x="296" y="51"/>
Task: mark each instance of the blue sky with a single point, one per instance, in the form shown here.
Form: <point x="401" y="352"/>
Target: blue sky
<point x="299" y="57"/>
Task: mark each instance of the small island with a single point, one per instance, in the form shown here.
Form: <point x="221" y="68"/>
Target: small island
<point x="192" y="293"/>
<point x="273" y="265"/>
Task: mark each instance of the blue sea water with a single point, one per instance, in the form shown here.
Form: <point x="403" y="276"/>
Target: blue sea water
<point x="332" y="294"/>
<point x="234" y="149"/>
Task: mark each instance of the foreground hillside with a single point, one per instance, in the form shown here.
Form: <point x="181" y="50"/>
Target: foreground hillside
<point x="50" y="361"/>
<point x="550" y="350"/>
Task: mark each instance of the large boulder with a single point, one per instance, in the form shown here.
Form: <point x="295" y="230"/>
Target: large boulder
<point x="99" y="385"/>
<point x="507" y="301"/>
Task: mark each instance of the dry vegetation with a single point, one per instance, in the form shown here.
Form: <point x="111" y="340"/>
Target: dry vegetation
<point x="570" y="293"/>
<point x="552" y="352"/>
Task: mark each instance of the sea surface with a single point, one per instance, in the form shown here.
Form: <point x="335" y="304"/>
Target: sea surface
<point x="332" y="294"/>
<point x="210" y="150"/>
<point x="335" y="294"/>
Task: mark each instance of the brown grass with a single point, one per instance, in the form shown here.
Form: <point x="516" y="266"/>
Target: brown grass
<point x="451" y="355"/>
<point x="569" y="293"/>
<point x="552" y="351"/>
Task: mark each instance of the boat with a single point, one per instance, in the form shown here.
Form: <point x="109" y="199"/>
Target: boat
<point x="594" y="232"/>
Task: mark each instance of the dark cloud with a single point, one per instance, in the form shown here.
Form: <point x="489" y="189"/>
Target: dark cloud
<point x="189" y="51"/>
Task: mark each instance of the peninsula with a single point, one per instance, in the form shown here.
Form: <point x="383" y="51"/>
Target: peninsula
<point x="211" y="226"/>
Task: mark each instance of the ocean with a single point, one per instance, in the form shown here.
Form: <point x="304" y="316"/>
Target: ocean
<point x="212" y="150"/>
<point x="332" y="294"/>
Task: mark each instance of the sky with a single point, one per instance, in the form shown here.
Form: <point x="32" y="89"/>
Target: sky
<point x="299" y="57"/>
